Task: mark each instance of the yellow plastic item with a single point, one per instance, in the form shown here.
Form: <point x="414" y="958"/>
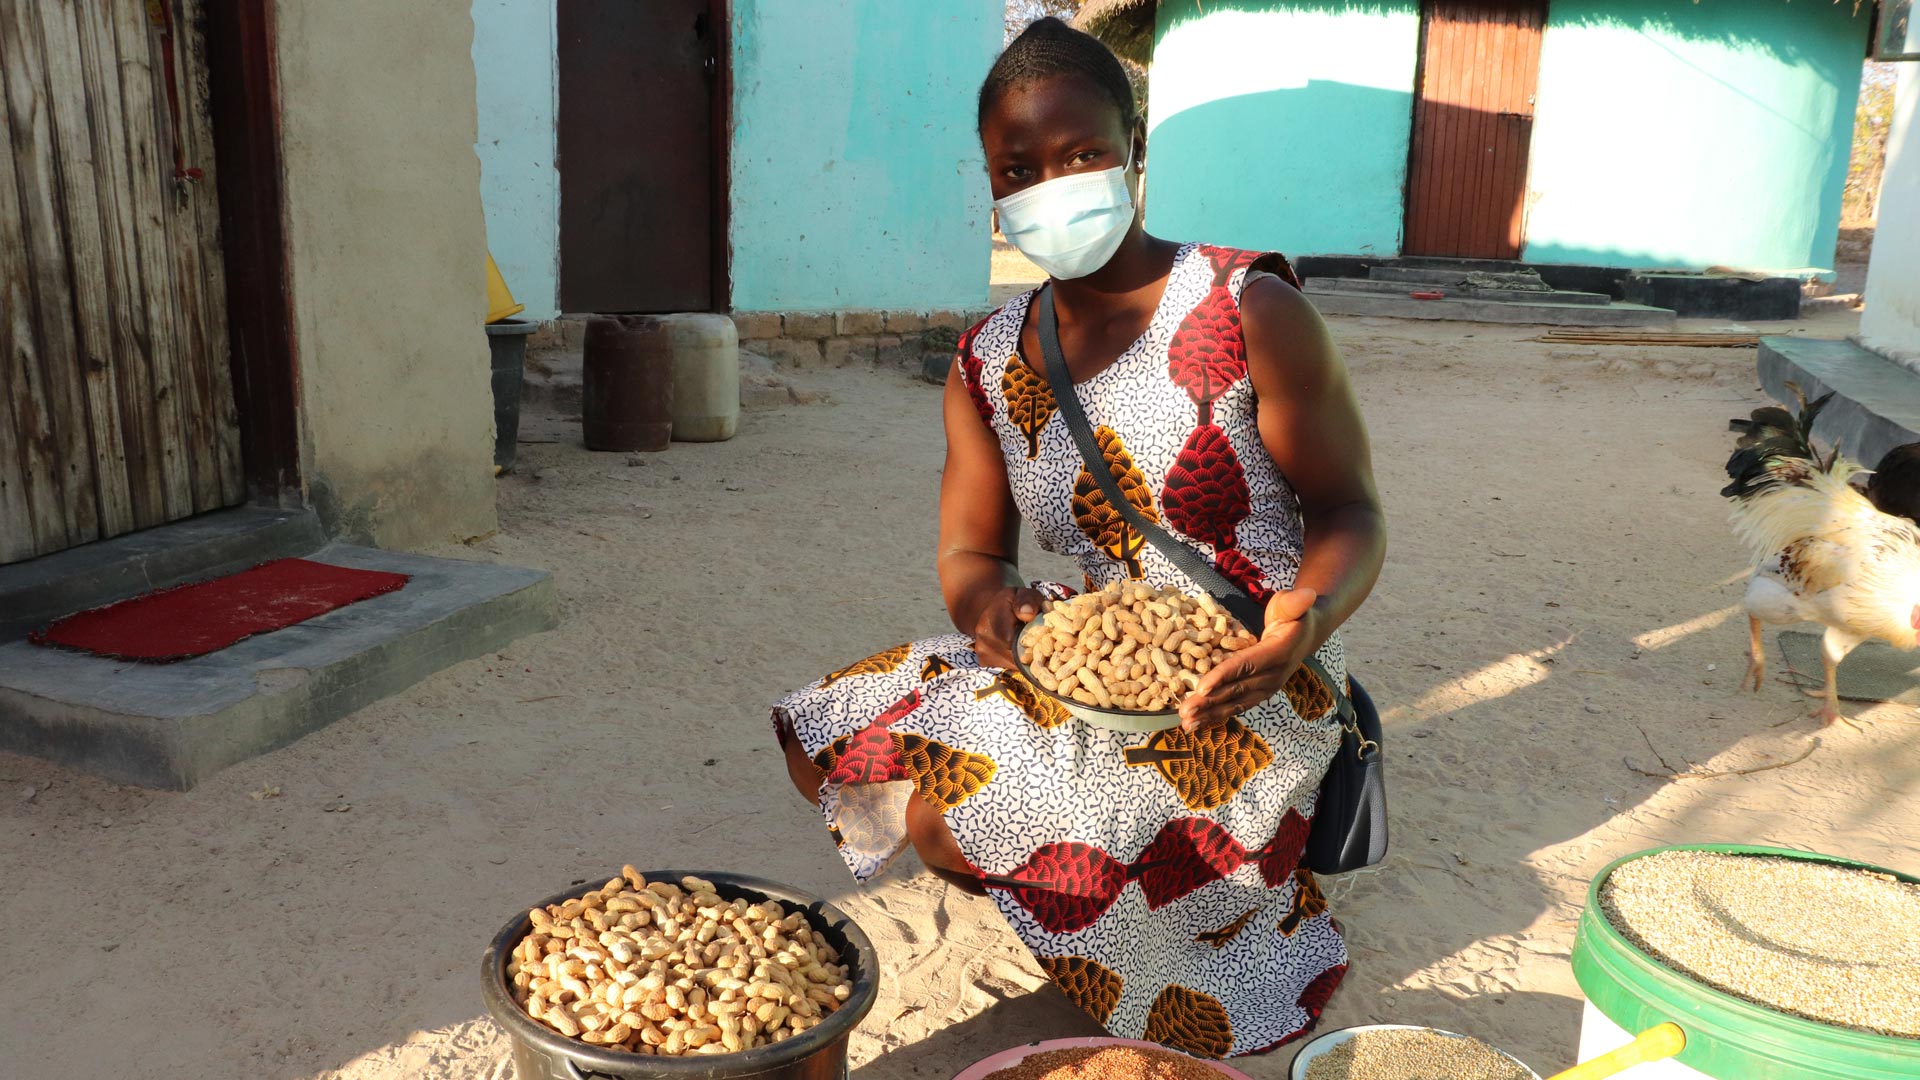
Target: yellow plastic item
<point x="500" y="303"/>
<point x="1653" y="1044"/>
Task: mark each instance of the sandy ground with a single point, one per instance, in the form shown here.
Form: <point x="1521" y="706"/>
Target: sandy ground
<point x="1556" y="620"/>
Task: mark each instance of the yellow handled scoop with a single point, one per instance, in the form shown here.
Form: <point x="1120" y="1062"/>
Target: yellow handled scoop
<point x="1653" y="1044"/>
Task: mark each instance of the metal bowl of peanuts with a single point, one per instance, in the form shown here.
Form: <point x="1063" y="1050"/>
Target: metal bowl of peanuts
<point x="1125" y="656"/>
<point x="675" y="969"/>
<point x="1404" y="1052"/>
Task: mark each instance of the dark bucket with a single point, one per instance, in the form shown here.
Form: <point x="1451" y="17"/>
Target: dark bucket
<point x="507" y="340"/>
<point x="626" y="384"/>
<point x="819" y="1053"/>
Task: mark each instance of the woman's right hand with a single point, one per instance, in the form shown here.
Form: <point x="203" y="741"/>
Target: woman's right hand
<point x="1000" y="622"/>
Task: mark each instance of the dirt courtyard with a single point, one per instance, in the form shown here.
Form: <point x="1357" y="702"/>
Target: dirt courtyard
<point x="1557" y="619"/>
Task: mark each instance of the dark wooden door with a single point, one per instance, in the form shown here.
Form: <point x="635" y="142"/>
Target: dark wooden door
<point x="1472" y="126"/>
<point x="638" y="164"/>
<point x="116" y="394"/>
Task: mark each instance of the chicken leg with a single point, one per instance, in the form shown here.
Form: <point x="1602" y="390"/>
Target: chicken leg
<point x="1756" y="656"/>
<point x="1834" y="647"/>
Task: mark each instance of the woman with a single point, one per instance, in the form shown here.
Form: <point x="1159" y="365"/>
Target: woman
<point x="1160" y="888"/>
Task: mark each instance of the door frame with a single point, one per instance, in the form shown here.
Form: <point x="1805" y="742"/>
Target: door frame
<point x="720" y="16"/>
<point x="719" y="21"/>
<point x="244" y="99"/>
<point x="1407" y="193"/>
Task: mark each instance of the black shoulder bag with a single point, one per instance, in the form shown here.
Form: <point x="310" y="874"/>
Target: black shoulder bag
<point x="1350" y="820"/>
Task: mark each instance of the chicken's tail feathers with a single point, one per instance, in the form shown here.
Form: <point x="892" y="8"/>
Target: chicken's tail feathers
<point x="1777" y="449"/>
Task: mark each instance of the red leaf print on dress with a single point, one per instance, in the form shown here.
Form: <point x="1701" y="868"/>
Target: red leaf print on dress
<point x="1318" y="992"/>
<point x="1208" y="354"/>
<point x="1205" y="494"/>
<point x="970" y="373"/>
<point x="1067" y="885"/>
<point x="1282" y="854"/>
<point x="1240" y="570"/>
<point x="870" y="755"/>
<point x="1188" y="853"/>
<point x="1226" y="260"/>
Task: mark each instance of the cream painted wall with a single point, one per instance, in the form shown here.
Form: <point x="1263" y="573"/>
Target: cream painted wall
<point x="388" y="263"/>
<point x="1891" y="323"/>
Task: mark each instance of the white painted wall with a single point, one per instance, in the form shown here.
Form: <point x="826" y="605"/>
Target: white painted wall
<point x="1891" y="324"/>
<point x="513" y="62"/>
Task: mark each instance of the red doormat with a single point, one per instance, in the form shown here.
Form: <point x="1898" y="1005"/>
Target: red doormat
<point x="194" y="620"/>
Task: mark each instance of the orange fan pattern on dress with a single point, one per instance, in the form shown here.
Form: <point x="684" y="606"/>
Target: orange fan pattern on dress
<point x="1030" y="402"/>
<point x="1308" y="901"/>
<point x="1219" y="938"/>
<point x="1190" y="1020"/>
<point x="879" y="663"/>
<point x="1086" y="983"/>
<point x="1103" y="524"/>
<point x="1310" y="697"/>
<point x="1205" y="767"/>
<point x="1044" y="711"/>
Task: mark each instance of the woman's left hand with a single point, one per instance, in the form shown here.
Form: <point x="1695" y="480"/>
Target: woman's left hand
<point x="1260" y="670"/>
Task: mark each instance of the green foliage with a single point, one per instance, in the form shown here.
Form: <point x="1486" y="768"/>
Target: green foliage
<point x="1873" y="121"/>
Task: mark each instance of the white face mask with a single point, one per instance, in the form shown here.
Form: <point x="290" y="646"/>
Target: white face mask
<point x="1070" y="226"/>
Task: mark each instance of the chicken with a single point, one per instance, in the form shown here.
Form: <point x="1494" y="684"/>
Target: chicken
<point x="1823" y="551"/>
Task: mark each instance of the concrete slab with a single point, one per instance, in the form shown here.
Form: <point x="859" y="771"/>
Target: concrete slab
<point x="1337" y="301"/>
<point x="1428" y="275"/>
<point x="1403" y="288"/>
<point x="172" y="725"/>
<point x="1701" y="296"/>
<point x="1876" y="402"/>
<point x="37" y="591"/>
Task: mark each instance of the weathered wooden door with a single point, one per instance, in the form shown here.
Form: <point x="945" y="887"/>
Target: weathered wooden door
<point x="1472" y="126"/>
<point x="116" y="399"/>
<point x="638" y="200"/>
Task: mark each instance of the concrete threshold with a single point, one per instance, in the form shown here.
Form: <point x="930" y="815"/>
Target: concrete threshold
<point x="1876" y="402"/>
<point x="37" y="591"/>
<point x="1404" y="288"/>
<point x="173" y="725"/>
<point x="1331" y="299"/>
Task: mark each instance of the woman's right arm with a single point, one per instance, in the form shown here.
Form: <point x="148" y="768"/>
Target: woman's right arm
<point x="980" y="534"/>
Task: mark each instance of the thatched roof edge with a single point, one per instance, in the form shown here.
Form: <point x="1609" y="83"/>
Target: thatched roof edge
<point x="1125" y="25"/>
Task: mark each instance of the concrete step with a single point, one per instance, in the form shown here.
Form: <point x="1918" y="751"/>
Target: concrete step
<point x="1336" y="301"/>
<point x="1422" y="274"/>
<point x="37" y="591"/>
<point x="1876" y="402"/>
<point x="1513" y="296"/>
<point x="173" y="725"/>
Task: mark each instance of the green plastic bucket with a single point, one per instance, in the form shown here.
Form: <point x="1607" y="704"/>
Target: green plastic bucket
<point x="1727" y="1038"/>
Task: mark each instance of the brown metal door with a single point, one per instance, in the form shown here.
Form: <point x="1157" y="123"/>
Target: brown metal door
<point x="116" y="395"/>
<point x="638" y="208"/>
<point x="1472" y="125"/>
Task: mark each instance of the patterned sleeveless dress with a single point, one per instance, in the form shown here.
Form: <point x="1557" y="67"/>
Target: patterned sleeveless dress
<point x="1156" y="878"/>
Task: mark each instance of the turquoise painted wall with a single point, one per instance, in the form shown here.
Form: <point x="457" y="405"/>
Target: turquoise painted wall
<point x="1674" y="133"/>
<point x="513" y="63"/>
<point x="857" y="176"/>
<point x="1282" y="124"/>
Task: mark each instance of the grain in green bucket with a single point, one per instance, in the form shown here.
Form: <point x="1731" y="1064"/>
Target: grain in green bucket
<point x="1829" y="943"/>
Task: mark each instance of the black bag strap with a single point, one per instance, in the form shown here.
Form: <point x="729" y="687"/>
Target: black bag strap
<point x="1250" y="612"/>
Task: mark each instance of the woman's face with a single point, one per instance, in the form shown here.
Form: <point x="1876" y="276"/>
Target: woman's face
<point x="1058" y="126"/>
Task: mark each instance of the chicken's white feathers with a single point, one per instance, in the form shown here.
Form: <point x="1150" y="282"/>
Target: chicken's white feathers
<point x="1851" y="565"/>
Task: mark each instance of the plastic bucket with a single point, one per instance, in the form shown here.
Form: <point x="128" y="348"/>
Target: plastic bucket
<point x="1628" y="991"/>
<point x="819" y="1053"/>
<point x="507" y="341"/>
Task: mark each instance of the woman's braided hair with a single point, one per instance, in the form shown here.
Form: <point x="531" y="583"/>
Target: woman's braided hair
<point x="1050" y="47"/>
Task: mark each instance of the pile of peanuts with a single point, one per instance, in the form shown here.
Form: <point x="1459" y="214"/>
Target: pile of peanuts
<point x="659" y="968"/>
<point x="1130" y="646"/>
